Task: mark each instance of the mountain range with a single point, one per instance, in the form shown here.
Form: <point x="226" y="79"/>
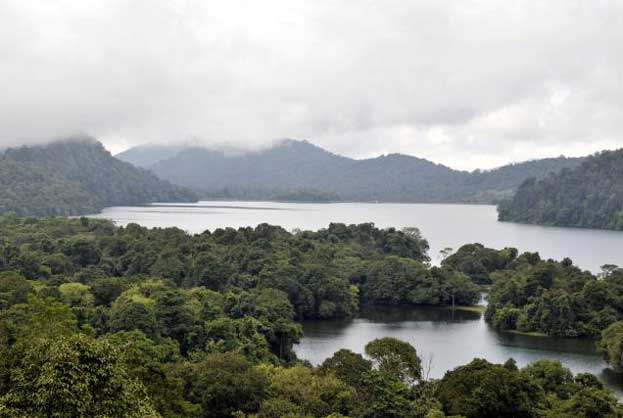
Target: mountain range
<point x="76" y="176"/>
<point x="299" y="170"/>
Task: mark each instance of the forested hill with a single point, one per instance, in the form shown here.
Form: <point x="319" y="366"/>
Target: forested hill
<point x="75" y="176"/>
<point x="299" y="168"/>
<point x="589" y="196"/>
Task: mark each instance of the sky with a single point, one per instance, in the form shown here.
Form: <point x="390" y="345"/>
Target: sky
<point x="470" y="83"/>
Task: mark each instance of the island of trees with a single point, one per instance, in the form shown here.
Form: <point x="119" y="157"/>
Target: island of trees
<point x="104" y="321"/>
<point x="587" y="196"/>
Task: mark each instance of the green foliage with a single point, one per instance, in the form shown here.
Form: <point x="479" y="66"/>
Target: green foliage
<point x="223" y="383"/>
<point x="72" y="377"/>
<point x="611" y="345"/>
<point x="484" y="390"/>
<point x="395" y="281"/>
<point x="297" y="391"/>
<point x="14" y="288"/>
<point x="478" y="262"/>
<point x="589" y="196"/>
<point x="94" y="321"/>
<point x="347" y="366"/>
<point x="532" y="295"/>
<point x="73" y="177"/>
<point x="396" y="358"/>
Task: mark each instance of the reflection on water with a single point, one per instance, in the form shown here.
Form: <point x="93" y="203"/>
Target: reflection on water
<point x="446" y="339"/>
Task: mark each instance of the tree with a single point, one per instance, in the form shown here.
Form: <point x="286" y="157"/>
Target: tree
<point x="347" y="366"/>
<point x="128" y="316"/>
<point x="14" y="288"/>
<point x="223" y="383"/>
<point x="397" y="358"/>
<point x="611" y="345"/>
<point x="74" y="376"/>
<point x="153" y="365"/>
<point x="484" y="390"/>
<point x="298" y="391"/>
<point x="76" y="294"/>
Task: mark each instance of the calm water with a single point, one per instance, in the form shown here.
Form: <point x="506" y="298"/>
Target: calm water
<point x="443" y="225"/>
<point x="445" y="340"/>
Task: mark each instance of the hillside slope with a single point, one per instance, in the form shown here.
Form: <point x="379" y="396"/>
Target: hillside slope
<point x="75" y="176"/>
<point x="589" y="196"/>
<point x="299" y="168"/>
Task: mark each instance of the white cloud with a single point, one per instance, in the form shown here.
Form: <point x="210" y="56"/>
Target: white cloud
<point x="469" y="84"/>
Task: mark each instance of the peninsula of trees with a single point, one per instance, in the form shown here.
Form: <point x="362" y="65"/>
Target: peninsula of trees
<point x="76" y="176"/>
<point x="587" y="196"/>
<point x="528" y="294"/>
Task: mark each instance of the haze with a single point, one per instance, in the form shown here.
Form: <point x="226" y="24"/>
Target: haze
<point x="467" y="84"/>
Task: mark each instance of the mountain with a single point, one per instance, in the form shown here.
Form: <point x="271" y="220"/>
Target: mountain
<point x="299" y="169"/>
<point x="76" y="176"/>
<point x="589" y="196"/>
<point x="149" y="154"/>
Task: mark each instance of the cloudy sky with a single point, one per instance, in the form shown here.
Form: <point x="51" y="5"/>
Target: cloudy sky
<point x="465" y="83"/>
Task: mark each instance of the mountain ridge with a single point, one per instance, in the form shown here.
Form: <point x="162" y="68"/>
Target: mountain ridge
<point x="301" y="167"/>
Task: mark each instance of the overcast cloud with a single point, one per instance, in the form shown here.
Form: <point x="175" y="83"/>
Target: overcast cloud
<point x="465" y="83"/>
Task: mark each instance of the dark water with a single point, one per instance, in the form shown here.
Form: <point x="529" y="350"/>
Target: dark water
<point x="443" y="225"/>
<point x="446" y="339"/>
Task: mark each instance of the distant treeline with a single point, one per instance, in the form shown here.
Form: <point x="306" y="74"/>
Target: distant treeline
<point x="588" y="196"/>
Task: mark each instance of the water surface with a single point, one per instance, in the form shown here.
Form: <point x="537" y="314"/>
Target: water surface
<point x="443" y="225"/>
<point x="445" y="340"/>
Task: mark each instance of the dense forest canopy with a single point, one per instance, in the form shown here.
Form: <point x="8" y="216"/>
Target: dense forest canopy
<point x="298" y="170"/>
<point x="588" y="196"/>
<point x="99" y="320"/>
<point x="529" y="294"/>
<point x="73" y="177"/>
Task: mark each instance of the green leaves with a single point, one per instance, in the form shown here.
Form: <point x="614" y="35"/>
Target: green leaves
<point x="395" y="358"/>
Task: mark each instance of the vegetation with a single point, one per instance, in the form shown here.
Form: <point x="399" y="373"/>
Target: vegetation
<point x="98" y="321"/>
<point x="588" y="196"/>
<point x="74" y="177"/>
<point x="611" y="346"/>
<point x="301" y="171"/>
<point x="529" y="294"/>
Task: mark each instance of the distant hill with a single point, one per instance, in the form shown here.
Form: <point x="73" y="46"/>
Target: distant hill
<point x="149" y="154"/>
<point x="76" y="176"/>
<point x="299" y="168"/>
<point x="590" y="196"/>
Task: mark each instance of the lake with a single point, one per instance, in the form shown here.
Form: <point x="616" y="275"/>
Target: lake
<point x="445" y="340"/>
<point x="442" y="225"/>
<point x="454" y="338"/>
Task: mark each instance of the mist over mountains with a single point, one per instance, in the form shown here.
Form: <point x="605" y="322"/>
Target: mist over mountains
<point x="300" y="170"/>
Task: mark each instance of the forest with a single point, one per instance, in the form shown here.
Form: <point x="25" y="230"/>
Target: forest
<point x="76" y="176"/>
<point x="528" y="294"/>
<point x="100" y="321"/>
<point x="587" y="196"/>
